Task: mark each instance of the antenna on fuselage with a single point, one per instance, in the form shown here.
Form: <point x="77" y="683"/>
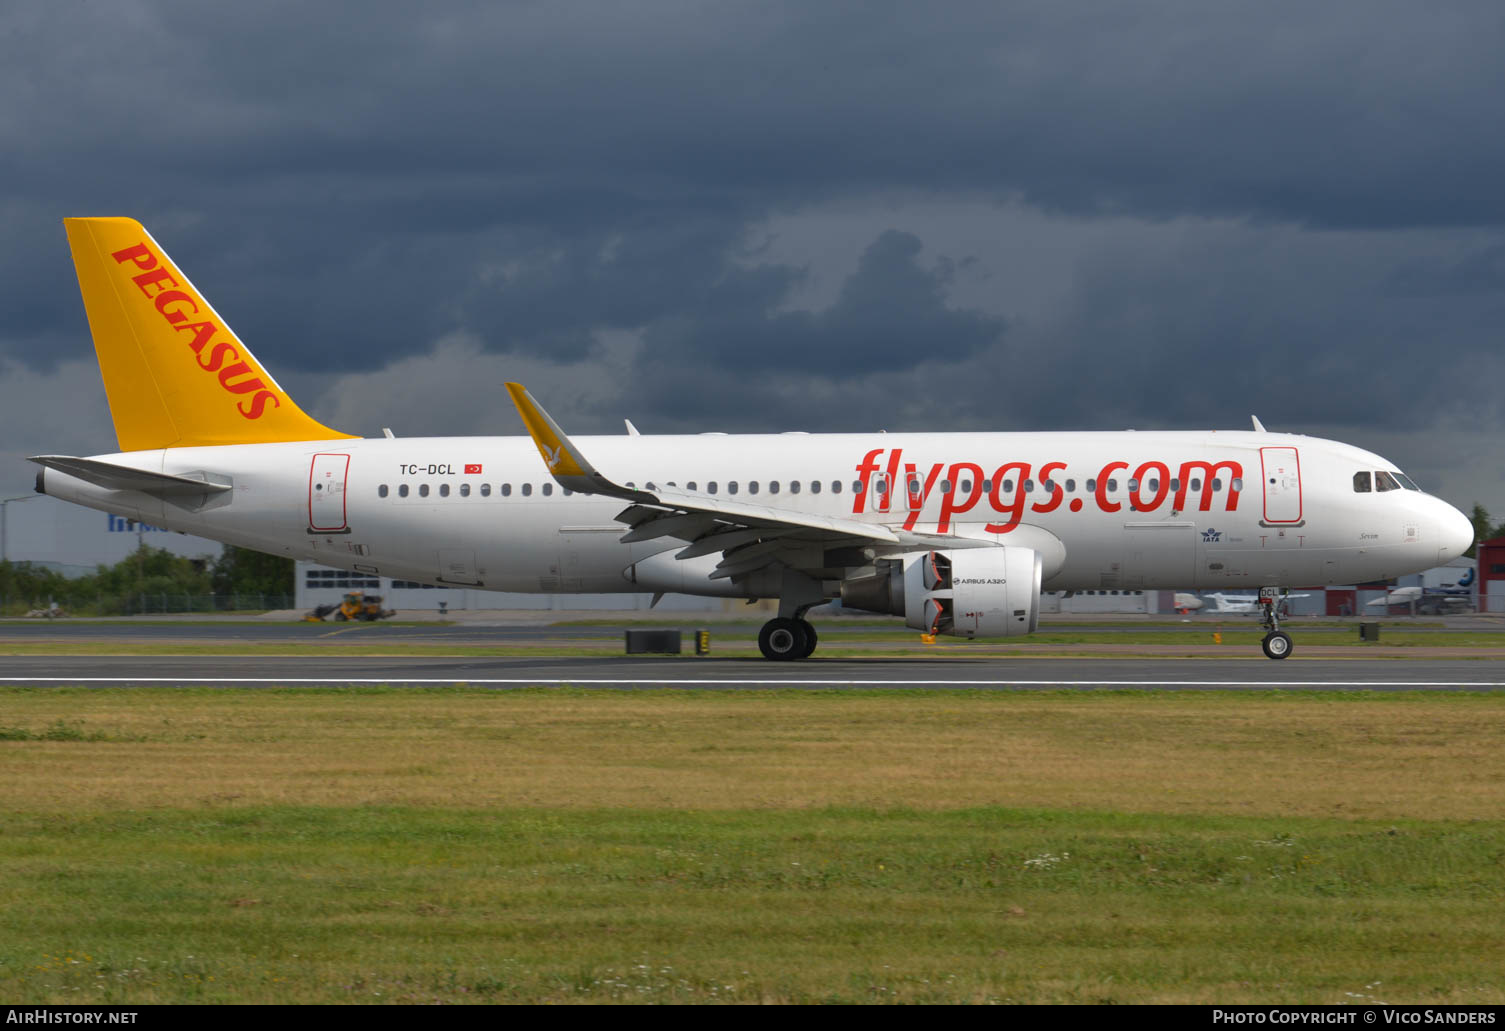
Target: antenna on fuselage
<point x="1259" y="427"/>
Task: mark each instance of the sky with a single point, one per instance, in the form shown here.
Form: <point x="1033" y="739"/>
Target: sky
<point x="769" y="216"/>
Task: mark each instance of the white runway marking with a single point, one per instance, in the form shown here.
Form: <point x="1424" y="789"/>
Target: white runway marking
<point x="629" y="682"/>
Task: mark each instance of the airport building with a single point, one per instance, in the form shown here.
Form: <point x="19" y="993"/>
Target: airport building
<point x="75" y="541"/>
<point x="1492" y="575"/>
<point x="317" y="585"/>
<point x="320" y="585"/>
<point x="1054" y="602"/>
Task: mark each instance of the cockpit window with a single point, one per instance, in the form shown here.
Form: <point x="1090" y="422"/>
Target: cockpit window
<point x="1405" y="481"/>
<point x="1361" y="483"/>
<point x="1385" y="481"/>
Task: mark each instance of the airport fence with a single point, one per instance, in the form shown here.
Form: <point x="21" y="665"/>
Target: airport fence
<point x="147" y="603"/>
<point x="151" y="603"/>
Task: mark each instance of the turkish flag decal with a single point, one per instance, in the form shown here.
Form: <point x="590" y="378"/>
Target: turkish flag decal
<point x="472" y="470"/>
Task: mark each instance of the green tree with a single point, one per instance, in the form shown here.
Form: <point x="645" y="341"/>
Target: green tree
<point x="146" y="571"/>
<point x="1483" y="529"/>
<point x="243" y="571"/>
<point x="26" y="586"/>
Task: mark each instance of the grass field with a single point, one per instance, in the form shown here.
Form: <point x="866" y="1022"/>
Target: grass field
<point x="552" y="846"/>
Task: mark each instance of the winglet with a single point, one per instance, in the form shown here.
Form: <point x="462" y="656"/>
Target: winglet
<point x="565" y="462"/>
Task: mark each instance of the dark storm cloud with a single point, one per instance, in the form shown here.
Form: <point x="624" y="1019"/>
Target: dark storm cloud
<point x="891" y="315"/>
<point x="1275" y="322"/>
<point x="349" y="182"/>
<point x="1481" y="271"/>
<point x="1379" y="116"/>
<point x="728" y="322"/>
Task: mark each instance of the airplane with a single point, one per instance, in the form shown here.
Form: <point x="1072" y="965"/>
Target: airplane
<point x="1186" y="603"/>
<point x="1429" y="601"/>
<point x="1398" y="596"/>
<point x="1464" y="585"/>
<point x="1244" y="603"/>
<point x="956" y="532"/>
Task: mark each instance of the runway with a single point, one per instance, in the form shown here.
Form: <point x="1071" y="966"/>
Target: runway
<point x="750" y="674"/>
<point x="372" y="654"/>
<point x="478" y="633"/>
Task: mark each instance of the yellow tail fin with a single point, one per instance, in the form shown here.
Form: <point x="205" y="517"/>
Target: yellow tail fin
<point x="174" y="373"/>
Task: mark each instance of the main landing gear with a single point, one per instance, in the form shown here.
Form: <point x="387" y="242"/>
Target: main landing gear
<point x="1277" y="643"/>
<point x="786" y="638"/>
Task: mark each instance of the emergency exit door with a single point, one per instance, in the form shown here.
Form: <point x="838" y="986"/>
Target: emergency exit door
<point x="1282" y="484"/>
<point x="326" y="494"/>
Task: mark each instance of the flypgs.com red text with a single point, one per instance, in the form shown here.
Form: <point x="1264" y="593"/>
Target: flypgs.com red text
<point x="1006" y="490"/>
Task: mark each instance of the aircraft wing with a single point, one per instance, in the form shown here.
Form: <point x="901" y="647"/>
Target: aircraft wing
<point x="749" y="536"/>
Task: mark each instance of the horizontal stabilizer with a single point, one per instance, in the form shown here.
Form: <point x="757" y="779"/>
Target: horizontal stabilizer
<point x="123" y="477"/>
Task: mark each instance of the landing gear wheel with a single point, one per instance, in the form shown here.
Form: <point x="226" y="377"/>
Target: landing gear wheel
<point x="811" y="638"/>
<point x="785" y="639"/>
<point x="1277" y="644"/>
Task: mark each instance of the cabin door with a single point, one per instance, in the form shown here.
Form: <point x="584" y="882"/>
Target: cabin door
<point x="326" y="494"/>
<point x="1281" y="468"/>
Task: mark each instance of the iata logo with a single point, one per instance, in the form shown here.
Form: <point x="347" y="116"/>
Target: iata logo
<point x="1211" y="536"/>
<point x="179" y="308"/>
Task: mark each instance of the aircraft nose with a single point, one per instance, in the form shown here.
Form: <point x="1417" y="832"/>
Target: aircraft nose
<point x="1455" y="531"/>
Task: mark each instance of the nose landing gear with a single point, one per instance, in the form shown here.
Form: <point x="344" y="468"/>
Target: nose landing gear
<point x="1277" y="643"/>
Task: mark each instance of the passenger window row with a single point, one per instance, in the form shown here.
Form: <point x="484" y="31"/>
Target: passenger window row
<point x="772" y="486"/>
<point x="880" y="486"/>
<point x="503" y="490"/>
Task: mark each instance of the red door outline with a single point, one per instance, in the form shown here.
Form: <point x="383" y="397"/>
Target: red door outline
<point x="323" y="475"/>
<point x="1274" y="465"/>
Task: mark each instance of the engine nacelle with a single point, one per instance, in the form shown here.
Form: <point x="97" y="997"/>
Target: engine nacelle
<point x="983" y="592"/>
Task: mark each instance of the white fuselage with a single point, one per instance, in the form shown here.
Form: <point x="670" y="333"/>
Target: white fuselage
<point x="1119" y="510"/>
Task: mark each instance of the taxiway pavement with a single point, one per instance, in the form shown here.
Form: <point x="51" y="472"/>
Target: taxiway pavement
<point x="559" y="663"/>
<point x="737" y="673"/>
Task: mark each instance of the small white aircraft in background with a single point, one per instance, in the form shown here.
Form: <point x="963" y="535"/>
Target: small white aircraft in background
<point x="1243" y="604"/>
<point x="1429" y="602"/>
<point x="958" y="533"/>
<point x="1399" y="596"/>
